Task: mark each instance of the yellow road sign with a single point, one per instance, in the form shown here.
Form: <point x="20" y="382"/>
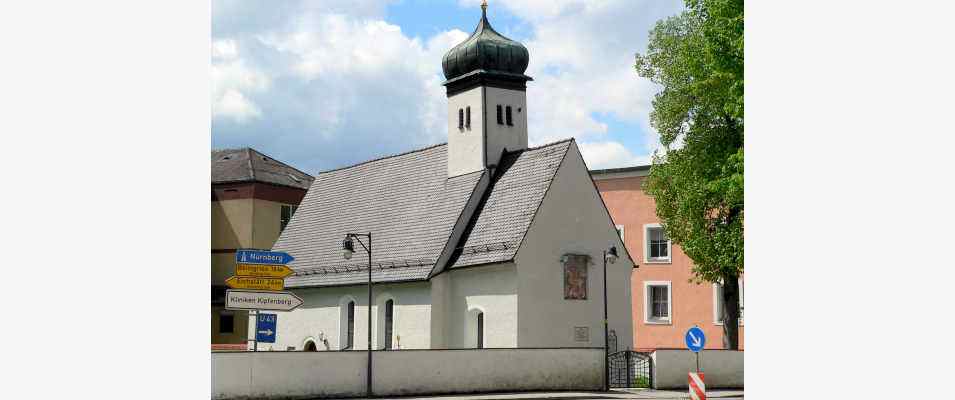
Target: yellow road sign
<point x="241" y="282"/>
<point x="262" y="271"/>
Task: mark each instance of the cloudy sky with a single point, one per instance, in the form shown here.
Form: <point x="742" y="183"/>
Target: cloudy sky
<point x="323" y="84"/>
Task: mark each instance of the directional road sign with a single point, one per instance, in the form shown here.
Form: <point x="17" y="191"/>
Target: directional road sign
<point x="262" y="257"/>
<point x="265" y="328"/>
<point x="257" y="300"/>
<point x="242" y="282"/>
<point x="695" y="339"/>
<point x="263" y="271"/>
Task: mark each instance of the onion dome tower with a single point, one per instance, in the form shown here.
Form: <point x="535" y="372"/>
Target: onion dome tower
<point x="487" y="102"/>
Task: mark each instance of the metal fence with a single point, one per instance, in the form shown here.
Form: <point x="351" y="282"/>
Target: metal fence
<point x="630" y="369"/>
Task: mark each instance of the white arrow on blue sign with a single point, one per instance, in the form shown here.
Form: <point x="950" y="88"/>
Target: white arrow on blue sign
<point x="262" y="257"/>
<point x="695" y="339"/>
<point x="265" y="328"/>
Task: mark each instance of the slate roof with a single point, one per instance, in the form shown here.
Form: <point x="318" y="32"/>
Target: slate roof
<point x="249" y="165"/>
<point x="411" y="207"/>
<point x="506" y="213"/>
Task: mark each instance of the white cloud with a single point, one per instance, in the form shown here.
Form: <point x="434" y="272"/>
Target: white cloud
<point x="234" y="105"/>
<point x="599" y="155"/>
<point x="224" y="49"/>
<point x="581" y="59"/>
<point x="324" y="84"/>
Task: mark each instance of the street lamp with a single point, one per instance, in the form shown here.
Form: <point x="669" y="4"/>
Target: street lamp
<point x="609" y="255"/>
<point x="348" y="248"/>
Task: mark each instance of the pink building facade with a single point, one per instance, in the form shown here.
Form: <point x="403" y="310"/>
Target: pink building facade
<point x="665" y="303"/>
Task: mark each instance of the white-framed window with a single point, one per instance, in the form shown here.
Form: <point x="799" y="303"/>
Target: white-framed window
<point x="286" y="215"/>
<point x="718" y="303"/>
<point x="619" y="231"/>
<point x="657" y="302"/>
<point x="656" y="244"/>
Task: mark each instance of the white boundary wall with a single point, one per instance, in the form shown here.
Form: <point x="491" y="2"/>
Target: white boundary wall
<point x="721" y="368"/>
<point x="271" y="375"/>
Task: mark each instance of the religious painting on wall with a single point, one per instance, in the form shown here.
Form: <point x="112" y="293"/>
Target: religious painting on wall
<point x="575" y="277"/>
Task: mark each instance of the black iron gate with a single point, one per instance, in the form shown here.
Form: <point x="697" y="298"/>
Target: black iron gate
<point x="630" y="369"/>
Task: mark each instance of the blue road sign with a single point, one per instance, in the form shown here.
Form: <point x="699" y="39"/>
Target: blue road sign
<point x="262" y="257"/>
<point x="695" y="339"/>
<point x="265" y="328"/>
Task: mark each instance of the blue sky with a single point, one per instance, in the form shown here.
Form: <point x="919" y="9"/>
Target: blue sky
<point x="326" y="84"/>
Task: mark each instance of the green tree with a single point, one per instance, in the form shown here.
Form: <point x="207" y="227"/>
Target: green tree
<point x="697" y="182"/>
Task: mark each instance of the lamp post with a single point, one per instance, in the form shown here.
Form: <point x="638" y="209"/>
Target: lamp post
<point x="609" y="255"/>
<point x="348" y="247"/>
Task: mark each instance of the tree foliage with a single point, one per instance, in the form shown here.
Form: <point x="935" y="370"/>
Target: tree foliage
<point x="697" y="183"/>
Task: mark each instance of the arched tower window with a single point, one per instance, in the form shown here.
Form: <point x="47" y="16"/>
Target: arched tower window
<point x="460" y="118"/>
<point x="467" y="117"/>
<point x="508" y="116"/>
<point x="389" y="323"/>
<point x="500" y="115"/>
<point x="480" y="330"/>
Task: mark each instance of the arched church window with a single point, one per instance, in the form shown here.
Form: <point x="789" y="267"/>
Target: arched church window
<point x="389" y="322"/>
<point x="460" y="118"/>
<point x="467" y="117"/>
<point x="500" y="115"/>
<point x="480" y="330"/>
<point x="350" y="336"/>
<point x="508" y="116"/>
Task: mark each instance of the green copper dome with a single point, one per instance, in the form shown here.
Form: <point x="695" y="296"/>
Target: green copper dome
<point x="485" y="50"/>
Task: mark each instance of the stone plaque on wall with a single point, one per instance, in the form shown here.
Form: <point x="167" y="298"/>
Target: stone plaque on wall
<point x="581" y="334"/>
<point x="575" y="276"/>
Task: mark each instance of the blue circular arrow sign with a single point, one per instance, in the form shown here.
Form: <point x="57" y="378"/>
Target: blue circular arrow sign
<point x="695" y="339"/>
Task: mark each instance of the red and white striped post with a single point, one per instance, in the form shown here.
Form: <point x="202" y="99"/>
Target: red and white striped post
<point x="697" y="388"/>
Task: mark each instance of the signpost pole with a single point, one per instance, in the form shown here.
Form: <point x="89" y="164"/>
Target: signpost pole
<point x="255" y="340"/>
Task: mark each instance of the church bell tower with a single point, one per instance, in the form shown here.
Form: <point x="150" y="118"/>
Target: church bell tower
<point x="487" y="101"/>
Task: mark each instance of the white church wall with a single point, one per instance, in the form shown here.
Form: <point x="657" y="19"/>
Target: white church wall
<point x="512" y="137"/>
<point x="323" y="311"/>
<point x="573" y="220"/>
<point x="466" y="146"/>
<point x="489" y="289"/>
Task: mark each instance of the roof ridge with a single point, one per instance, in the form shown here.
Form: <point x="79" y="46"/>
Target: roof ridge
<point x="248" y="151"/>
<point x="383" y="158"/>
<point x="231" y="148"/>
<point x="280" y="162"/>
<point x="570" y="139"/>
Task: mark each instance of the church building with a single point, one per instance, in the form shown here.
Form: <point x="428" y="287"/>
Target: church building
<point x="481" y="242"/>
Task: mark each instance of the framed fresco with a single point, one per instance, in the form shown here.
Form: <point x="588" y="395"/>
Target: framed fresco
<point x="575" y="276"/>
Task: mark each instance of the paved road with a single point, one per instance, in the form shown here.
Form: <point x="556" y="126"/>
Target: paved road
<point x="612" y="395"/>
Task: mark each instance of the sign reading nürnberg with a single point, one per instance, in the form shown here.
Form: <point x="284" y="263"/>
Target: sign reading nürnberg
<point x="255" y="300"/>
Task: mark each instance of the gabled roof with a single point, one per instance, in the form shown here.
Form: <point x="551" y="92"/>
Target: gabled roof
<point x="503" y="217"/>
<point x="411" y="209"/>
<point x="249" y="165"/>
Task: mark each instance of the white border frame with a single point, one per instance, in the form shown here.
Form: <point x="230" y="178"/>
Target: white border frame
<point x="646" y="246"/>
<point x="646" y="303"/>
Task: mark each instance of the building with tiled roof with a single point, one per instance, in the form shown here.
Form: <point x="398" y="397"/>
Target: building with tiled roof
<point x="481" y="242"/>
<point x="253" y="198"/>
